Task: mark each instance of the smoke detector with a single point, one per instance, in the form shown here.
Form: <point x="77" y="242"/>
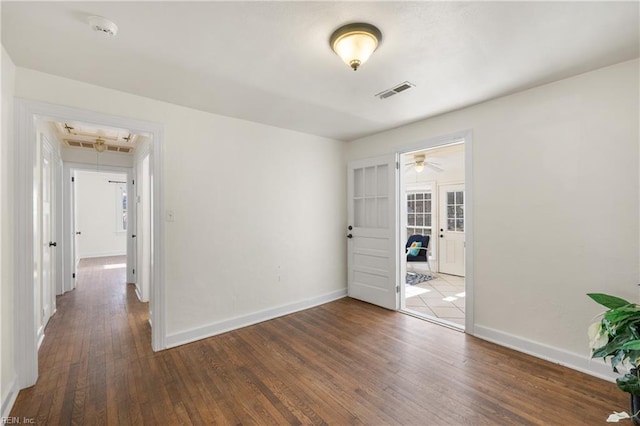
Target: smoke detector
<point x="103" y="25"/>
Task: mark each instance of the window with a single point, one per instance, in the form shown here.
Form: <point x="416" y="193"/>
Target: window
<point x="121" y="207"/>
<point x="455" y="211"/>
<point x="419" y="217"/>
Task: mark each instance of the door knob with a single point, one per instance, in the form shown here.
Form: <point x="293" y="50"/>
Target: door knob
<point x="133" y="236"/>
<point x="53" y="244"/>
<point x="441" y="236"/>
<point x="349" y="236"/>
<point x="78" y="233"/>
<point x="350" y="228"/>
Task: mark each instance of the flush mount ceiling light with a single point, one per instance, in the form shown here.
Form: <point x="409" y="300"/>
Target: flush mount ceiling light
<point x="354" y="43"/>
<point x="103" y="25"/>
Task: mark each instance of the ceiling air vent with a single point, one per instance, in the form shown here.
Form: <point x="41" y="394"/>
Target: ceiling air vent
<point x="395" y="90"/>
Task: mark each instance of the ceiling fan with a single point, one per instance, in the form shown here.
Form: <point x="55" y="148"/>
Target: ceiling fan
<point x="420" y="162"/>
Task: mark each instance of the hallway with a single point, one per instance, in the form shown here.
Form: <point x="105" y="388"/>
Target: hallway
<point x="344" y="362"/>
<point x="95" y="347"/>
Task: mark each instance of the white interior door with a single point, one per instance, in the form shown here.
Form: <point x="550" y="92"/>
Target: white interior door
<point x="75" y="230"/>
<point x="48" y="242"/>
<point x="132" y="218"/>
<point x="372" y="257"/>
<point x="451" y="235"/>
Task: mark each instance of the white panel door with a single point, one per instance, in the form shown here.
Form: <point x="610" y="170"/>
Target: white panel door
<point x="48" y="242"/>
<point x="372" y="257"/>
<point x="451" y="235"/>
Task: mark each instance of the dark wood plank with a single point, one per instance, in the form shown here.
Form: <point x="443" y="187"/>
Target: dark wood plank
<point x="345" y="362"/>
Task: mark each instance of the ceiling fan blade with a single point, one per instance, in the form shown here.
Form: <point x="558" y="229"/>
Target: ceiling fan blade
<point x="434" y="167"/>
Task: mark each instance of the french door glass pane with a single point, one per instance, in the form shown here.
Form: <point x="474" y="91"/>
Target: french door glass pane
<point x="382" y="177"/>
<point x="370" y="182"/>
<point x="383" y="208"/>
<point x="358" y="212"/>
<point x="370" y="220"/>
<point x="358" y="183"/>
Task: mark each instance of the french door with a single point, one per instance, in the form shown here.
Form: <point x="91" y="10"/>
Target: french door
<point x="451" y="241"/>
<point x="372" y="257"/>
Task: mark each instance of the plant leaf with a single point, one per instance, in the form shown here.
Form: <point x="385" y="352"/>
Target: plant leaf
<point x="629" y="383"/>
<point x="632" y="345"/>
<point x="607" y="301"/>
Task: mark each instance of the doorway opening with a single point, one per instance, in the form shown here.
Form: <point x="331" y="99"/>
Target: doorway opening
<point x="28" y="116"/>
<point x="432" y="233"/>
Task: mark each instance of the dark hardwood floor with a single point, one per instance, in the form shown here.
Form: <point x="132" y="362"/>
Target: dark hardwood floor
<point x="342" y="363"/>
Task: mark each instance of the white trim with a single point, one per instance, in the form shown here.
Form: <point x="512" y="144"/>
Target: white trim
<point x="137" y="292"/>
<point x="106" y="254"/>
<point x="184" y="337"/>
<point x="578" y="362"/>
<point x="10" y="398"/>
<point x="69" y="227"/>
<point x="26" y="113"/>
<point x="40" y="336"/>
<point x="25" y="350"/>
<point x="469" y="313"/>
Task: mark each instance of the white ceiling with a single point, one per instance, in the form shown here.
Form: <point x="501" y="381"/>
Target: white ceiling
<point x="270" y="62"/>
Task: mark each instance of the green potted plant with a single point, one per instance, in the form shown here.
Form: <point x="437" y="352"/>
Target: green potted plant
<point x="616" y="338"/>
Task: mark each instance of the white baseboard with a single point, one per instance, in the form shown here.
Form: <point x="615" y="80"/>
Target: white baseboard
<point x="10" y="398"/>
<point x="40" y="336"/>
<point x="183" y="337"/>
<point x="579" y="362"/>
<point x="108" y="254"/>
<point x="138" y="293"/>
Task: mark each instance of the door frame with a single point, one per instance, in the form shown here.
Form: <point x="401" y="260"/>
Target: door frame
<point x="26" y="114"/>
<point x="465" y="136"/>
<point x="70" y="249"/>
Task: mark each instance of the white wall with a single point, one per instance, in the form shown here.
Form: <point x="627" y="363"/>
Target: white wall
<point x="259" y="211"/>
<point x="555" y="181"/>
<point x="96" y="212"/>
<point x="7" y="366"/>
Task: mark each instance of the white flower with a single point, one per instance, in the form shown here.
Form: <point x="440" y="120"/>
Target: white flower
<point x="597" y="338"/>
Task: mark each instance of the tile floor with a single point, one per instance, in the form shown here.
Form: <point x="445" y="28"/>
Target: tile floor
<point x="442" y="298"/>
